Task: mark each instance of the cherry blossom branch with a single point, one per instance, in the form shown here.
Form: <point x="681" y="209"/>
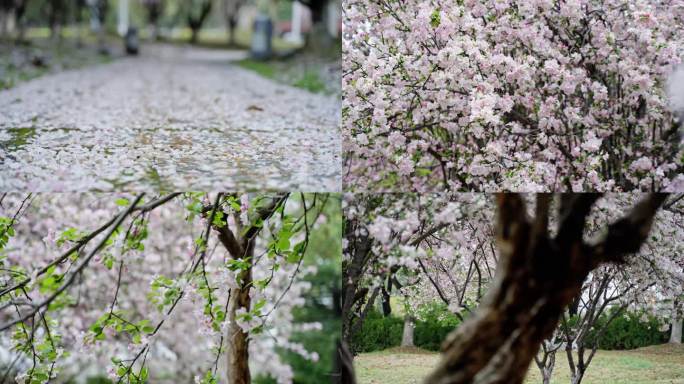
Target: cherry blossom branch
<point x="77" y="270"/>
<point x="82" y="242"/>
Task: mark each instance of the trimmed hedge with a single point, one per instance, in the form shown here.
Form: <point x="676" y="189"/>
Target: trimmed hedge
<point x="627" y="331"/>
<point x="379" y="332"/>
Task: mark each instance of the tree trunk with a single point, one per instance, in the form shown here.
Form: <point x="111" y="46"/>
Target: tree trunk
<point x="676" y="333"/>
<point x="345" y="365"/>
<point x="3" y="23"/>
<point x="546" y="365"/>
<point x="577" y="377"/>
<point x="237" y="343"/>
<point x="407" y="335"/>
<point x="547" y="372"/>
<point x="318" y="39"/>
<point x="232" y="23"/>
<point x="351" y="293"/>
<point x="194" y="34"/>
<point x="537" y="278"/>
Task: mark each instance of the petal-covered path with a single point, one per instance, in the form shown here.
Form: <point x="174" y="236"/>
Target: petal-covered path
<point x="172" y="119"/>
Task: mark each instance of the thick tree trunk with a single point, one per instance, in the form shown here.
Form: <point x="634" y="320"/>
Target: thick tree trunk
<point x="241" y="247"/>
<point x="237" y="343"/>
<point x="345" y="363"/>
<point x="351" y="293"/>
<point x="407" y="335"/>
<point x="537" y="278"/>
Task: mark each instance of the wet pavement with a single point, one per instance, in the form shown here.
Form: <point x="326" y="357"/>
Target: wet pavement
<point x="175" y="118"/>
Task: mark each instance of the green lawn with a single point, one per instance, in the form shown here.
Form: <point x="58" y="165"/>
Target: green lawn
<point x="656" y="364"/>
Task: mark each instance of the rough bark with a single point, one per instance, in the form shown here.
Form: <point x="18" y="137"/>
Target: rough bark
<point x="345" y="365"/>
<point x="352" y="272"/>
<point x="546" y="359"/>
<point x="407" y="334"/>
<point x="547" y="368"/>
<point x="537" y="278"/>
<point x="237" y="342"/>
<point x="241" y="246"/>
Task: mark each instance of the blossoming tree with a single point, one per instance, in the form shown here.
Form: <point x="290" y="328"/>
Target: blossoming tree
<point x="645" y="282"/>
<point x="537" y="95"/>
<point x="394" y="234"/>
<point x="581" y="263"/>
<point x="185" y="284"/>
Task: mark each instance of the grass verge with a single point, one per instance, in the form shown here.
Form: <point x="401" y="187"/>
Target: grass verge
<point x="40" y="56"/>
<point x="654" y="365"/>
<point x="301" y="72"/>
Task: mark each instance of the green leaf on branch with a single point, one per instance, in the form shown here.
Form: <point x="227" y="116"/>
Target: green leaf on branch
<point x="122" y="202"/>
<point x="435" y="18"/>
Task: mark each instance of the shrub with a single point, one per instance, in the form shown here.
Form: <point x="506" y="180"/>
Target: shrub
<point x="628" y="331"/>
<point x="631" y="330"/>
<point x="378" y="333"/>
<point x="436" y="322"/>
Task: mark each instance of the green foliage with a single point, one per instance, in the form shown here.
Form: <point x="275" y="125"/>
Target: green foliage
<point x="122" y="202"/>
<point x="127" y="373"/>
<point x="70" y="235"/>
<point x="436" y="322"/>
<point x="310" y="81"/>
<point x="629" y="331"/>
<point x="136" y="236"/>
<point x="379" y="332"/>
<point x="118" y="322"/>
<point x="6" y="231"/>
<point x="195" y="205"/>
<point x="50" y="281"/>
<point x="163" y="292"/>
<point x="209" y="378"/>
<point x="212" y="307"/>
<point x="324" y="251"/>
<point x="44" y="350"/>
<point x="435" y="18"/>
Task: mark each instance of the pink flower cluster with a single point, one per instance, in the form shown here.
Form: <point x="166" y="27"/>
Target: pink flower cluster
<point x="515" y="95"/>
